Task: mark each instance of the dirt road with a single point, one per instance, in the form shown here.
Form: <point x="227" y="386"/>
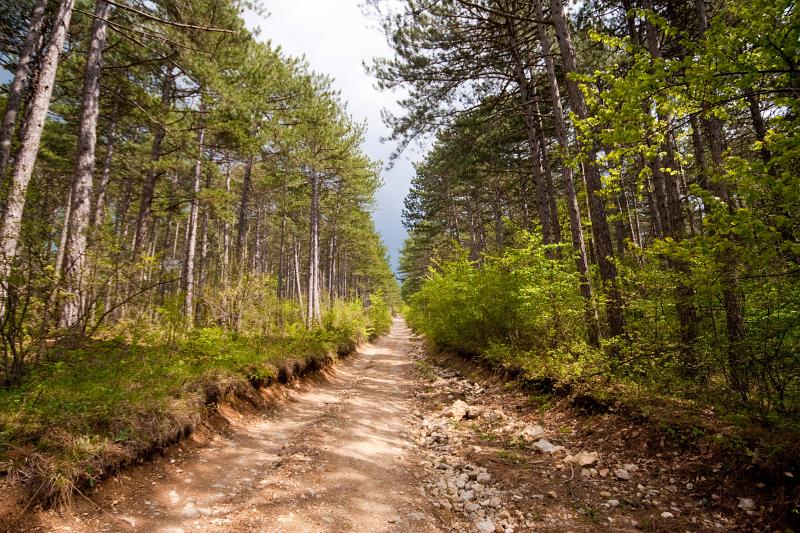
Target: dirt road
<point x="336" y="456"/>
<point x="398" y="440"/>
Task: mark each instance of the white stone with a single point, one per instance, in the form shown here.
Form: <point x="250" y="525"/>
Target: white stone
<point x="584" y="458"/>
<point x="746" y="504"/>
<point x="485" y="526"/>
<point x="622" y="473"/>
<point x="545" y="446"/>
<point x="458" y="410"/>
<point x="530" y="432"/>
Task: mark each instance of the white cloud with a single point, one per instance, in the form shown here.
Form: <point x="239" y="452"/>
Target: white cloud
<point x="336" y="38"/>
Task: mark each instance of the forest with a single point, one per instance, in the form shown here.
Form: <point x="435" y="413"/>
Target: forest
<point x="598" y="316"/>
<point x="611" y="193"/>
<point x="181" y="202"/>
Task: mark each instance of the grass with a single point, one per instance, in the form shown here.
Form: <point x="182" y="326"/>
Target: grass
<point x="93" y="406"/>
<point x="512" y="457"/>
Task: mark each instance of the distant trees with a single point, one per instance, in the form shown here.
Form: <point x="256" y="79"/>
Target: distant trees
<point x="682" y="128"/>
<point x="200" y="160"/>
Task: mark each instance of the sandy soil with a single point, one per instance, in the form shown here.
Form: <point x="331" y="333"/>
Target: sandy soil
<point x="335" y="456"/>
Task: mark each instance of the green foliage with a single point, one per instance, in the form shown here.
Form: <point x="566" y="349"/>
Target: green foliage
<point x="523" y="310"/>
<point x="379" y="315"/>
<point x="83" y="399"/>
<point x="519" y="309"/>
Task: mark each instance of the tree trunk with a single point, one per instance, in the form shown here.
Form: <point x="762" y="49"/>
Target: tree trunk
<point x="245" y="198"/>
<point x="283" y="259"/>
<point x="149" y="186"/>
<point x="75" y="303"/>
<point x="105" y="177"/>
<point x="15" y="90"/>
<point x="226" y="234"/>
<point x="298" y="288"/>
<point x="62" y="243"/>
<point x="314" y="312"/>
<point x="597" y="208"/>
<point x="555" y="222"/>
<point x="534" y="144"/>
<point x="191" y="237"/>
<point x="758" y="125"/>
<point x="332" y="292"/>
<point x="203" y="266"/>
<point x="573" y="207"/>
<point x="29" y="146"/>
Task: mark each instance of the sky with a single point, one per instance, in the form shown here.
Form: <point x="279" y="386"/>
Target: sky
<point x="336" y="38"/>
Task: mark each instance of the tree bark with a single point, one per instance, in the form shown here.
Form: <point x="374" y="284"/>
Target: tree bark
<point x="241" y="234"/>
<point x="105" y="176"/>
<point x="29" y="146"/>
<point x="758" y="125"/>
<point x="555" y="222"/>
<point x="297" y="285"/>
<point x="314" y="312"/>
<point x="75" y="301"/>
<point x="226" y="234"/>
<point x="15" y="90"/>
<point x="534" y="144"/>
<point x="283" y="283"/>
<point x="573" y="207"/>
<point x="149" y="186"/>
<point x="597" y="208"/>
<point x="191" y="238"/>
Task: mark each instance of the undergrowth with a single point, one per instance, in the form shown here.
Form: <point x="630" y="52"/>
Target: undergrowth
<point x="94" y="405"/>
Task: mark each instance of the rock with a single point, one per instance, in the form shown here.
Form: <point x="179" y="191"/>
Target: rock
<point x="467" y="495"/>
<point x="128" y="520"/>
<point x="552" y="494"/>
<point x="583" y="458"/>
<point x="746" y="504"/>
<point x="605" y="494"/>
<point x="667" y="514"/>
<point x="475" y="411"/>
<point x="416" y="516"/>
<point x="458" y="410"/>
<point x="545" y="446"/>
<point x="485" y="526"/>
<point x="623" y="474"/>
<point x="484" y="478"/>
<point x="530" y="432"/>
<point x="613" y="503"/>
<point x="190" y="511"/>
<point x="630" y="467"/>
